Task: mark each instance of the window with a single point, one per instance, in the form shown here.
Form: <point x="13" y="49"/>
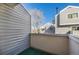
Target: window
<point x="77" y="28"/>
<point x="69" y="15"/>
<point x="73" y="28"/>
<point x="73" y="15"/>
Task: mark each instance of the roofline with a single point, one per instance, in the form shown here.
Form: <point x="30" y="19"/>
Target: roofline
<point x="66" y="8"/>
<point x="25" y="8"/>
<point x="59" y="18"/>
<point x="45" y="24"/>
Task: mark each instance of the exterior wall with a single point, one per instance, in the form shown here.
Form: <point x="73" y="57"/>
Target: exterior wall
<point x="54" y="44"/>
<point x="63" y="24"/>
<point x="61" y="30"/>
<point x="14" y="28"/>
<point x="64" y="20"/>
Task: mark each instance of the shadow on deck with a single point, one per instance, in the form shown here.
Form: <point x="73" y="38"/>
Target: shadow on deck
<point x="33" y="51"/>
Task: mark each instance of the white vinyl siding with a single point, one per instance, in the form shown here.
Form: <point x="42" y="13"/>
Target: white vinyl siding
<point x="14" y="29"/>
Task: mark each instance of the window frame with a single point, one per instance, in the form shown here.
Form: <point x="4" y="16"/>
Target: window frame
<point x="73" y="15"/>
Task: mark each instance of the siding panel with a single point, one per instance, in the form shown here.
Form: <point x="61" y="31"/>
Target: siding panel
<point x="14" y="29"/>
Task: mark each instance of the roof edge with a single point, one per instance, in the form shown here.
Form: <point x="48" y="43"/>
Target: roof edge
<point x="66" y="8"/>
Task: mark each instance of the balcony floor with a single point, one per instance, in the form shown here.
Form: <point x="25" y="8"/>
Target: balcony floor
<point x="33" y="51"/>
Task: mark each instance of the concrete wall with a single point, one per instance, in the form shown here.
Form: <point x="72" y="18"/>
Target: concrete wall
<point x="73" y="45"/>
<point x="14" y="28"/>
<point x="55" y="44"/>
<point x="76" y="33"/>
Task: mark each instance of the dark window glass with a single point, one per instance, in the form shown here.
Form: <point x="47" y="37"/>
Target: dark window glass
<point x="69" y="15"/>
<point x="77" y="28"/>
<point x="73" y="15"/>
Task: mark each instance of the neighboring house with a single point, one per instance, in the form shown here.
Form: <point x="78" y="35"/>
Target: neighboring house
<point x="67" y="20"/>
<point x="14" y="28"/>
<point x="48" y="28"/>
